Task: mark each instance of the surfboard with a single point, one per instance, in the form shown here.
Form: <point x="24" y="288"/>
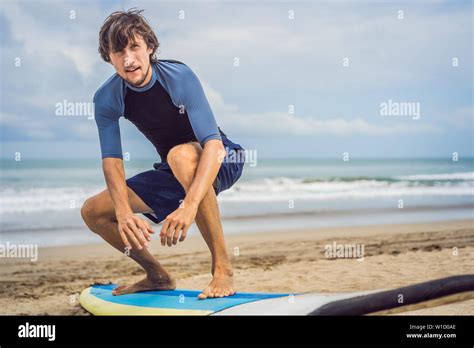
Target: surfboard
<point x="99" y="300"/>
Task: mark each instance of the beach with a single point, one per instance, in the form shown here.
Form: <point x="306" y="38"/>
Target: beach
<point x="285" y="261"/>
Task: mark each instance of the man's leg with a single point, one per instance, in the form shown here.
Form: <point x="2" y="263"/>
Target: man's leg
<point x="99" y="215"/>
<point x="183" y="160"/>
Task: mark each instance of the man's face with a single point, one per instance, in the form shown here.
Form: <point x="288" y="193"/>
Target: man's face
<point x="133" y="62"/>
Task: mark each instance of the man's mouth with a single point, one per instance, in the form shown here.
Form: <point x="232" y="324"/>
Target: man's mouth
<point x="131" y="69"/>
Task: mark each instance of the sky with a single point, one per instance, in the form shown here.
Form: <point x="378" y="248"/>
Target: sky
<point x="308" y="79"/>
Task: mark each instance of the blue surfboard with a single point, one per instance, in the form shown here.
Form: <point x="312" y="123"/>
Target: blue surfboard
<point x="99" y="300"/>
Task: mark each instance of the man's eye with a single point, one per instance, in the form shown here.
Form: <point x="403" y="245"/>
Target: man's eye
<point x="135" y="46"/>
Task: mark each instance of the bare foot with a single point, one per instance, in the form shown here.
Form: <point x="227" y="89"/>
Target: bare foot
<point x="145" y="285"/>
<point x="220" y="286"/>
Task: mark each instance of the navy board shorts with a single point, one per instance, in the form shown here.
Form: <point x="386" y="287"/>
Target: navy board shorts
<point x="163" y="193"/>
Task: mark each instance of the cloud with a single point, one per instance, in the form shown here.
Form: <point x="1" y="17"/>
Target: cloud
<point x="462" y="117"/>
<point x="28" y="128"/>
<point x="279" y="123"/>
<point x="309" y="50"/>
<point x="282" y="62"/>
<point x="275" y="123"/>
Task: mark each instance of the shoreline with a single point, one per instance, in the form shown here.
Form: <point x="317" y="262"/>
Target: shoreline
<point x="290" y="261"/>
<point x="278" y="235"/>
<point x="267" y="223"/>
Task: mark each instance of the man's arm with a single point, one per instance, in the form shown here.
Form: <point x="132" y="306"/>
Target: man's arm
<point x="108" y="103"/>
<point x="206" y="172"/>
<point x="114" y="174"/>
<point x="179" y="221"/>
<point x="190" y="94"/>
<point x="205" y="128"/>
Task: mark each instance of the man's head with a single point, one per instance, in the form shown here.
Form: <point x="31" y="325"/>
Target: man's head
<point x="127" y="41"/>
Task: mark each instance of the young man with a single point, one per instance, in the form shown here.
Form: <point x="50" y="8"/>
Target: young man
<point x="166" y="102"/>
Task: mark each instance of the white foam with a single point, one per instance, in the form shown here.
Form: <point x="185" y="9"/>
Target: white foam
<point x="447" y="176"/>
<point x="37" y="199"/>
<point x="43" y="199"/>
<point x="279" y="189"/>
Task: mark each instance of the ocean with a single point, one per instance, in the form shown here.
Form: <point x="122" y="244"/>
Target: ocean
<point x="41" y="199"/>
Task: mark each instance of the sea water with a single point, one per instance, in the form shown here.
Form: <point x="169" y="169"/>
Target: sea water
<point x="40" y="200"/>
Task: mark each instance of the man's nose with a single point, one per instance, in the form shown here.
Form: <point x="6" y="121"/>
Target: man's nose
<point x="128" y="60"/>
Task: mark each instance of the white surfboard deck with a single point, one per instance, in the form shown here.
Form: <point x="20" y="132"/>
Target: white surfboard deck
<point x="290" y="305"/>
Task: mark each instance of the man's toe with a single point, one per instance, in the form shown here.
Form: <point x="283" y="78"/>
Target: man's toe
<point x="205" y="294"/>
<point x="118" y="288"/>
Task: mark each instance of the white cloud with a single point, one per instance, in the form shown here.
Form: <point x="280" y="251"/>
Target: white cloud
<point x="462" y="117"/>
<point x="382" y="49"/>
<point x="278" y="123"/>
<point x="35" y="129"/>
<point x="279" y="57"/>
<point x="274" y="123"/>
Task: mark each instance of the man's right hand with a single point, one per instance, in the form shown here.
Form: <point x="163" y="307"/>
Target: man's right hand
<point x="134" y="230"/>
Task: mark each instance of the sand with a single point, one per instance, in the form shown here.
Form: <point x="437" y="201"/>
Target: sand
<point x="290" y="261"/>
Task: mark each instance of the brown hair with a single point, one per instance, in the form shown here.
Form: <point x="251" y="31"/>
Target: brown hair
<point x="120" y="27"/>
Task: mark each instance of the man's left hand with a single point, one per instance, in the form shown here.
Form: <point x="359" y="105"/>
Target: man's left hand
<point x="178" y="221"/>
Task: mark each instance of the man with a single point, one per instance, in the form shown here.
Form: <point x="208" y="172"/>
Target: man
<point x="166" y="102"/>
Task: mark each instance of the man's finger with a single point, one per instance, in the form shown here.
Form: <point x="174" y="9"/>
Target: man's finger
<point x="144" y="240"/>
<point x="163" y="232"/>
<point x="144" y="230"/>
<point x="125" y="240"/>
<point x="148" y="227"/>
<point x="178" y="229"/>
<point x="169" y="237"/>
<point x="184" y="233"/>
<point x="170" y="232"/>
<point x="138" y="233"/>
<point x="163" y="240"/>
<point x="132" y="238"/>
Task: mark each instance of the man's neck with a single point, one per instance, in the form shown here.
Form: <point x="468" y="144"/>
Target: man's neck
<point x="148" y="77"/>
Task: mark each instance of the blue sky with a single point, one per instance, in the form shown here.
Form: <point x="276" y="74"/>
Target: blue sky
<point x="401" y="51"/>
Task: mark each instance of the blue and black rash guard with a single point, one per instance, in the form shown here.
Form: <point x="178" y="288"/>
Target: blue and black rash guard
<point x="171" y="109"/>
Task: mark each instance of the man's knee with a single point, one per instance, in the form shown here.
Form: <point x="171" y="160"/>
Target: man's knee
<point x="87" y="210"/>
<point x="184" y="156"/>
<point x="92" y="211"/>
